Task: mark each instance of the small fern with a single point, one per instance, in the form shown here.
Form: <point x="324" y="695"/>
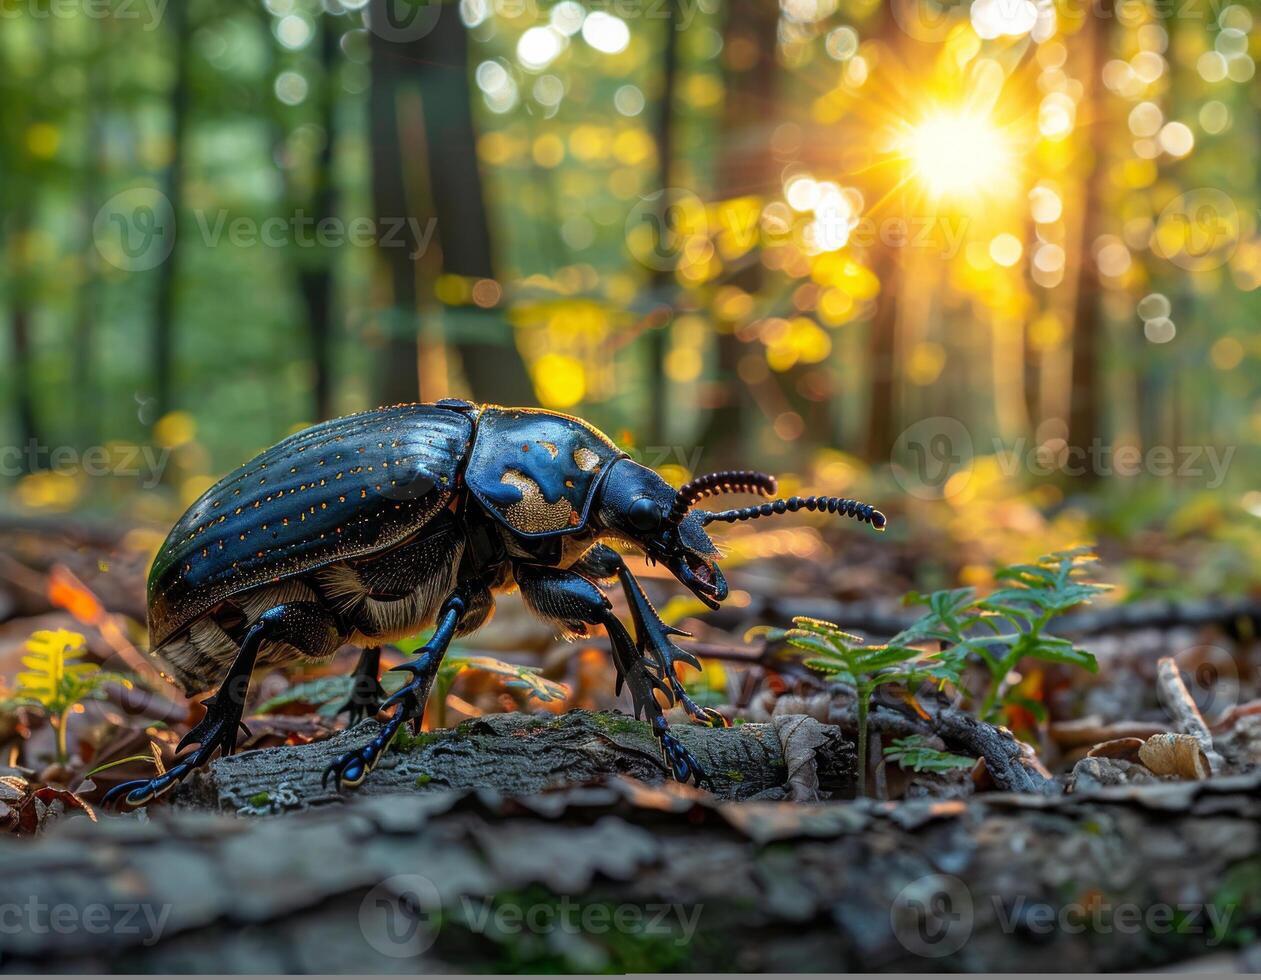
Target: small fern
<point x="1009" y="624"/>
<point x="844" y="657"/>
<point x="914" y="752"/>
<point x="56" y="681"/>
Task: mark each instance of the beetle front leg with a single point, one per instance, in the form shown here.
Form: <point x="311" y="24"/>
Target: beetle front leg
<point x="573" y="603"/>
<point x="653" y="637"/>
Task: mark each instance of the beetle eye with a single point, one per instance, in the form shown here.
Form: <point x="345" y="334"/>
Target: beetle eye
<point x="644" y="514"/>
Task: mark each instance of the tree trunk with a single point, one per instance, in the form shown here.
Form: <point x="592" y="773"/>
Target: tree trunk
<point x="437" y="64"/>
<point x="400" y="325"/>
<point x="488" y="353"/>
<point x="315" y="276"/>
<point x="882" y="349"/>
<point x="163" y="351"/>
<point x="744" y="167"/>
<point x="663" y="279"/>
<point x="1085" y="422"/>
<point x="23" y="382"/>
<point x="87" y="410"/>
<point x="17" y="208"/>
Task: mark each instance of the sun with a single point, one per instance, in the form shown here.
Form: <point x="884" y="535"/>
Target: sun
<point x="958" y="155"/>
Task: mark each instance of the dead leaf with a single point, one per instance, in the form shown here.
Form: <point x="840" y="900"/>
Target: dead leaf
<point x="1118" y="748"/>
<point x="1175" y="754"/>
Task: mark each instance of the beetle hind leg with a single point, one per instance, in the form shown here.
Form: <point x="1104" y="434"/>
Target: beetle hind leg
<point x="304" y="625"/>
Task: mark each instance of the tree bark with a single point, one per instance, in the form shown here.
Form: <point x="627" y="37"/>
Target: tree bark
<point x="516" y="753"/>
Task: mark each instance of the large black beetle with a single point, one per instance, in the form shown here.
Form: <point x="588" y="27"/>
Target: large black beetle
<point x="370" y="528"/>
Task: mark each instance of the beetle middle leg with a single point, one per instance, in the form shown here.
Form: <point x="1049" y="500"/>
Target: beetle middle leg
<point x="653" y="636"/>
<point x="306" y="626"/>
<point x="574" y="603"/>
<point x="366" y="691"/>
<point x="464" y="610"/>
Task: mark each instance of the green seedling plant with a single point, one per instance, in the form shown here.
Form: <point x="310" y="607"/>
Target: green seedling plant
<point x="58" y="683"/>
<point x="1010" y="624"/>
<point x="846" y="658"/>
<point x="1001" y="629"/>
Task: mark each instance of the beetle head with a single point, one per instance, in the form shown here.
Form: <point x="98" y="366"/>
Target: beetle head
<point x="638" y="506"/>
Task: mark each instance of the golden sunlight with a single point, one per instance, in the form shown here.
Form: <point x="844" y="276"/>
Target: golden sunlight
<point x="958" y="155"/>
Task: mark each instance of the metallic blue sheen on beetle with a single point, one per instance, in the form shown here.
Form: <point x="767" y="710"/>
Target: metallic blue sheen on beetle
<point x="371" y="528"/>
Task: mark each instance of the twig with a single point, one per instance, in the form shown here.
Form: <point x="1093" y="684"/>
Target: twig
<point x="1186" y="713"/>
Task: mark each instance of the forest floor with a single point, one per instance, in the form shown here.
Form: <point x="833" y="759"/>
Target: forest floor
<point x="1084" y="820"/>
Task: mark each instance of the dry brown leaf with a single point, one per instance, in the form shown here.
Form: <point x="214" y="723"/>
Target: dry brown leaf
<point x="1175" y="754"/>
<point x="1128" y="749"/>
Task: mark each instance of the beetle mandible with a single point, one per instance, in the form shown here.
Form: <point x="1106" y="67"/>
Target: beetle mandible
<point x="369" y="528"/>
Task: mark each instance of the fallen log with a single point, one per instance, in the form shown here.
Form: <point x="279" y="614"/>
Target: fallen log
<point x="520" y="753"/>
<point x="627" y="877"/>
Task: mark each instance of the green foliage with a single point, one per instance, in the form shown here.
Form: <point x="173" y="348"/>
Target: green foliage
<point x="57" y="682"/>
<point x="1000" y="630"/>
<point x="914" y="752"/>
<point x="328" y="694"/>
<point x="1010" y="623"/>
<point x="520" y="677"/>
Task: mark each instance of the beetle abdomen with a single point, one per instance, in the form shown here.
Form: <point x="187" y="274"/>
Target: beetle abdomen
<point x="342" y="489"/>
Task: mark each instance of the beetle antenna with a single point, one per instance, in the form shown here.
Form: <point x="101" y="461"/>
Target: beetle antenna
<point x="856" y="509"/>
<point x="728" y="481"/>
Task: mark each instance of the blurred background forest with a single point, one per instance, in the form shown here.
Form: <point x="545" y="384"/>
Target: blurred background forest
<point x="992" y="264"/>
